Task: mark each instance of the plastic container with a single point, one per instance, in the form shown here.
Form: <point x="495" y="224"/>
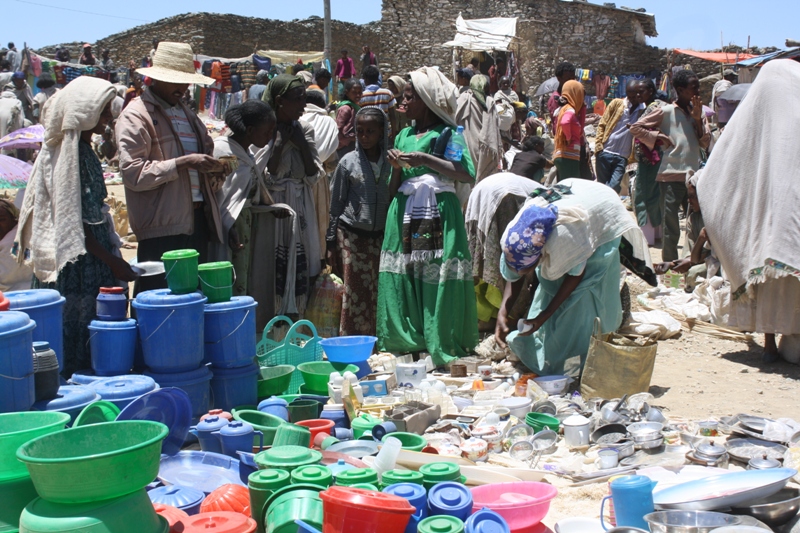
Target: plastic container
<point x="96" y="462"/>
<point x="386" y="459"/>
<point x="441" y="524"/>
<point x="180" y="269"/>
<point x="456" y="146"/>
<point x="357" y="475"/>
<point x="262" y="484"/>
<point x="123" y="390"/>
<point x="216" y="281"/>
<point x="519" y="407"/>
<point x="410" y="441"/>
<point x="5" y="305"/>
<point x="263" y="422"/>
<point x="111" y="304"/>
<point x="195" y="383"/>
<point x="17" y="383"/>
<point x="416" y="496"/>
<point x="300" y="410"/>
<point x="186" y="499"/>
<point x="170" y="330"/>
<point x="45" y="307"/>
<point x="296" y="502"/>
<point x="18" y="428"/>
<point x="363" y="423"/>
<point x="205" y="431"/>
<point x="410" y="374"/>
<point x="83" y="377"/>
<point x="274" y="380"/>
<point x="450" y="498"/>
<point x="351" y="510"/>
<point x="394" y="477"/>
<point x="522" y="504"/>
<point x="217" y="412"/>
<point x="313" y="474"/>
<point x="539" y="421"/>
<point x="46" y="378"/>
<point x="219" y="522"/>
<point x="433" y="473"/>
<point x="230" y="332"/>
<point x="276" y="407"/>
<point x="230" y="497"/>
<point x="16" y="494"/>
<point x="348" y="349"/>
<point x="174" y="516"/>
<point x="317" y="426"/>
<point x="317" y="374"/>
<point x="70" y="399"/>
<point x="336" y="414"/>
<point x="113" y="346"/>
<point x="287" y="458"/>
<point x="292" y="435"/>
<point x="232" y="387"/>
<point x="486" y="521"/>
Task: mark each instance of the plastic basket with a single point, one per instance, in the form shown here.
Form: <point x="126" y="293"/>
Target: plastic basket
<point x="294" y="349"/>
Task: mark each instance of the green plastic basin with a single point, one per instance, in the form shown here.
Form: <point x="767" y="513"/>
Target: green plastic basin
<point x="263" y="422"/>
<point x="274" y="380"/>
<point x="18" y="428"/>
<point x="409" y="441"/>
<point x="316" y="374"/>
<point x="96" y="462"/>
<point x="15" y="495"/>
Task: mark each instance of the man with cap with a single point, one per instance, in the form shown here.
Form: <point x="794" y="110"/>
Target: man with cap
<point x="165" y="156"/>
<point x="23" y="93"/>
<point x="723" y="108"/>
<point x="87" y="58"/>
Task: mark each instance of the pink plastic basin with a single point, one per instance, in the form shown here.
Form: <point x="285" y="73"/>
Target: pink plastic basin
<point x="523" y="504"/>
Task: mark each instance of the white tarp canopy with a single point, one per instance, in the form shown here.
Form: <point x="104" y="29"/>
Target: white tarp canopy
<point x="484" y="34"/>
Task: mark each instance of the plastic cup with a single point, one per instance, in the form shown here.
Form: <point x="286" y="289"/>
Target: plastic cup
<point x="387" y="457"/>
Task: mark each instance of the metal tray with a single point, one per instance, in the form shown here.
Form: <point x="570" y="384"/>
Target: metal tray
<point x="746" y="449"/>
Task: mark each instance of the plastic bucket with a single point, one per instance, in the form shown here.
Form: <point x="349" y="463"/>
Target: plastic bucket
<point x="45" y="307"/>
<point x="300" y="410"/>
<point x="171" y="330"/>
<point x="292" y="435"/>
<point x="297" y="502"/>
<point x="233" y="387"/>
<point x="216" y="281"/>
<point x="18" y="428"/>
<point x="113" y="345"/>
<point x="17" y="385"/>
<point x="180" y="268"/>
<point x="195" y="383"/>
<point x="348" y="509"/>
<point x="230" y="332"/>
<point x="263" y="422"/>
<point x="317" y="426"/>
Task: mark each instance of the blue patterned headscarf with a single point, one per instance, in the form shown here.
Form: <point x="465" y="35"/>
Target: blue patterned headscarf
<point x="527" y="234"/>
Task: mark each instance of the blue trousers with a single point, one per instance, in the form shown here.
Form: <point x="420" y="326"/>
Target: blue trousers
<point x="610" y="169"/>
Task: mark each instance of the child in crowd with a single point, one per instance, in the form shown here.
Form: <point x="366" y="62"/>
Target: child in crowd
<point x="531" y="162"/>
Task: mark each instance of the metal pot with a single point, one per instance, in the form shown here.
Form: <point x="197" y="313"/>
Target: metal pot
<point x="688" y="521"/>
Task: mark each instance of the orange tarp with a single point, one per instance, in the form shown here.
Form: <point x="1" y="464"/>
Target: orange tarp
<point x="727" y="58"/>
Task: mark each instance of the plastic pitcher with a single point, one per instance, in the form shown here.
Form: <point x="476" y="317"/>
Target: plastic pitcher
<point x="633" y="498"/>
<point x="238" y="436"/>
<point x="204" y="431"/>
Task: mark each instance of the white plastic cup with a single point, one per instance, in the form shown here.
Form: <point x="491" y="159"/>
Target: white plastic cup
<point x="387" y="458"/>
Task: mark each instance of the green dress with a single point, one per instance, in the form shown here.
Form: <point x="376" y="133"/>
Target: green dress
<point x="429" y="306"/>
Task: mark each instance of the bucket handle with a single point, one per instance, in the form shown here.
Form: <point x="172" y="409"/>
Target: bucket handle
<point x="166" y="274"/>
<point x="159" y="326"/>
<point x="219" y="288"/>
<point x="234" y="329"/>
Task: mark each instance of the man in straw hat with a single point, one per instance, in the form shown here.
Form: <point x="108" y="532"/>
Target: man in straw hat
<point x="166" y="164"/>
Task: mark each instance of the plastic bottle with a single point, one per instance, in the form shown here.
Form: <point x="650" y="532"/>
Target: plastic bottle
<point x="456" y="146"/>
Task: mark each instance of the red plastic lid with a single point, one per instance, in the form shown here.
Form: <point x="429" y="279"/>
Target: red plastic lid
<point x="218" y="412"/>
<point x="367" y="500"/>
<point x="110" y="290"/>
<point x="174" y="516"/>
<point x="5" y="304"/>
<point x="219" y="522"/>
<point x="230" y="497"/>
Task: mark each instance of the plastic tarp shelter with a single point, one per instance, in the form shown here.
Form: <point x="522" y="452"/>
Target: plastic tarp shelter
<point x="287" y="56"/>
<point x="726" y="58"/>
<point x="484" y="34"/>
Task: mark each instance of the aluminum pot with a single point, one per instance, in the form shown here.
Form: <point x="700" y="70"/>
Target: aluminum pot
<point x="689" y="521"/>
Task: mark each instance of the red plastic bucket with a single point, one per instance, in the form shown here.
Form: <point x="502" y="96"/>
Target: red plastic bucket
<point x="317" y="426"/>
<point x="349" y="510"/>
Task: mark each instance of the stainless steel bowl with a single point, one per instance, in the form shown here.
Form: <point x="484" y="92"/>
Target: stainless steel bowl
<point x="651" y="444"/>
<point x="655" y="415"/>
<point x="654" y="427"/>
<point x="688" y="521"/>
<point x="774" y="510"/>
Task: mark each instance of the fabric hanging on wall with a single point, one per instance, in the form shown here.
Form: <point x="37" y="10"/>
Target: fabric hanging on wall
<point x="262" y="63"/>
<point x="247" y="71"/>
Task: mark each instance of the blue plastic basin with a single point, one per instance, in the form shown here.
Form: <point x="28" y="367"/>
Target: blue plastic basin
<point x="350" y="349"/>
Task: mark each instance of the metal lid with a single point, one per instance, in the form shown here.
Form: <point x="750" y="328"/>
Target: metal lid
<point x="763" y="463"/>
<point x="711" y="450"/>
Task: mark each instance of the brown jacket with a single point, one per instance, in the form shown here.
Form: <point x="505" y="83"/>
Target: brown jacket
<point x="159" y="196"/>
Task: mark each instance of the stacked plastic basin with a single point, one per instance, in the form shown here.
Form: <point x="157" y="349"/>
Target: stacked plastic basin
<point x="171" y="337"/>
<point x="44" y="307"/>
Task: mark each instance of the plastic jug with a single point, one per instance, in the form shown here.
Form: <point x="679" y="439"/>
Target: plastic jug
<point x="204" y="433"/>
<point x="633" y="498"/>
<point x="237" y="436"/>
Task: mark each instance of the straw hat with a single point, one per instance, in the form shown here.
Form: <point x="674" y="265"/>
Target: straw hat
<point x="174" y="63"/>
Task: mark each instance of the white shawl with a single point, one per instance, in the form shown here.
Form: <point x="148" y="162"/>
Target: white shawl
<point x="50" y="221"/>
<point x="748" y="190"/>
<point x="438" y="93"/>
<point x="326" y="132"/>
<point x="232" y="198"/>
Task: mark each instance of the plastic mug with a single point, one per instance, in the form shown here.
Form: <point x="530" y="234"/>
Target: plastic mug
<point x="608" y="458"/>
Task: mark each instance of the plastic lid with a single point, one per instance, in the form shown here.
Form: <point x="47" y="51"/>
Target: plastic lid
<point x="177" y="496"/>
<point x="69" y="397"/>
<point x="441" y="524"/>
<point x="367" y="500"/>
<point x="340" y="466"/>
<point x="315" y="474"/>
<point x="127" y="323"/>
<point x="460" y="129"/>
<point x="172" y="514"/>
<point x="219" y="522"/>
<point x="357" y="475"/>
<point x="365" y="421"/>
<point x="236" y="302"/>
<point x="181" y="378"/>
<point x="401" y="476"/>
<point x="4" y="303"/>
<point x="487" y="521"/>
<point x="235" y="429"/>
<point x="41" y="346"/>
<point x="271" y="479"/>
<point x="21" y="300"/>
<point x="575" y="420"/>
<point x="12" y="321"/>
<point x="631" y="482"/>
<point x="333" y="407"/>
<point x="449" y="495"/>
<point x="288" y="456"/>
<point x="110" y="290"/>
<point x="165" y="298"/>
<point x="271" y="402"/>
<point x="440" y="471"/>
<point x="409" y="491"/>
<point x="211" y="423"/>
<point x="365" y="486"/>
<point x="121" y="387"/>
<point x="179" y="254"/>
<point x="215" y="265"/>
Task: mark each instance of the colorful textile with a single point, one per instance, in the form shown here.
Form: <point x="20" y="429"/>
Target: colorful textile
<point x="526" y="235"/>
<point x="374" y="95"/>
<point x="358" y="256"/>
<point x="422" y="227"/>
<point x="570" y="121"/>
<point x="189" y="142"/>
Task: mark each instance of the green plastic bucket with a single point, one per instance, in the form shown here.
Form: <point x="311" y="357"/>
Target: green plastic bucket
<point x="409" y="441"/>
<point x="180" y="267"/>
<point x="264" y="422"/>
<point x="216" y="281"/>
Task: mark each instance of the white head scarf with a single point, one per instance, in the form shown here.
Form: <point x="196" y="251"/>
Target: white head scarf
<point x="438" y="93"/>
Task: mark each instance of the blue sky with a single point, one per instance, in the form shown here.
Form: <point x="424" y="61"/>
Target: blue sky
<point x="681" y="23"/>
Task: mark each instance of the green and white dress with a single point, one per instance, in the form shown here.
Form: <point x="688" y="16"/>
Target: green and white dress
<point x="427" y="303"/>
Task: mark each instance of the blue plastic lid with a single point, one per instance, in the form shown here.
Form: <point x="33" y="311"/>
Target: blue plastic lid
<point x="13" y="321"/>
<point x="33" y="298"/>
<point x="128" y="323"/>
<point x="121" y="387"/>
<point x="169" y="406"/>
<point x="211" y="423"/>
<point x="165" y="298"/>
<point x="251" y="369"/>
<point x="449" y="495"/>
<point x="177" y="496"/>
<point x="84" y="377"/>
<point x="632" y="482"/>
<point x="236" y="302"/>
<point x="69" y="397"/>
<point x="416" y="494"/>
<point x="182" y="378"/>
<point x="486" y="521"/>
<point x="206" y="471"/>
<point x="270" y="402"/>
<point x="41" y="346"/>
<point x="236" y="428"/>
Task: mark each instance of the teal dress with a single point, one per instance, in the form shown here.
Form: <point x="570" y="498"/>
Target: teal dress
<point x="561" y="344"/>
<point x="428" y="306"/>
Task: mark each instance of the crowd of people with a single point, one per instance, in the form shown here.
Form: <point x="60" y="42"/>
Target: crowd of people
<point x="431" y="245"/>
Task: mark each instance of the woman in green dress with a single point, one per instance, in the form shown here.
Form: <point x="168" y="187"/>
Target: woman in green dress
<point x="426" y="298"/>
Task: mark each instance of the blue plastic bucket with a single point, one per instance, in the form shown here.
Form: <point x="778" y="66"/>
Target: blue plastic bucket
<point x="122" y="390"/>
<point x="45" y="307"/>
<point x="17" y="389"/>
<point x="230" y="332"/>
<point x="113" y="346"/>
<point x="234" y="387"/>
<point x="171" y="330"/>
<point x="195" y="383"/>
<point x="71" y="399"/>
